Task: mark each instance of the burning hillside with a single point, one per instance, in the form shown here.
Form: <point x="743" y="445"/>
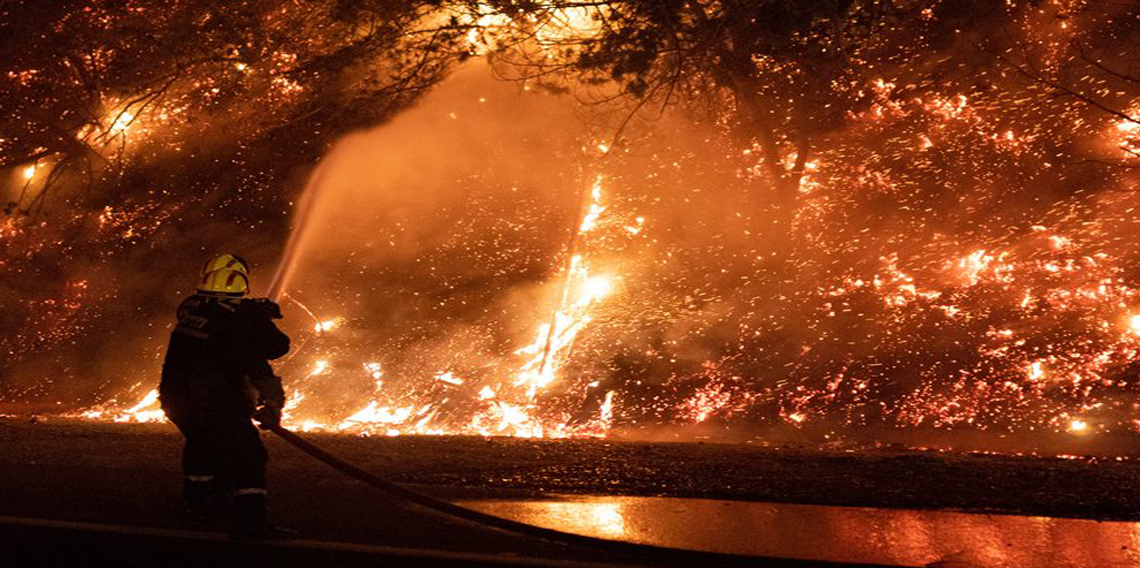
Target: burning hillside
<point x="862" y="214"/>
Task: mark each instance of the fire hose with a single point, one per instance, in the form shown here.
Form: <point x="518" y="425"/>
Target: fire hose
<point x="451" y="509"/>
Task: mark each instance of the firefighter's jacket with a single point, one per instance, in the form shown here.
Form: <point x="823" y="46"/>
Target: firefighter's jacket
<point x="218" y="357"/>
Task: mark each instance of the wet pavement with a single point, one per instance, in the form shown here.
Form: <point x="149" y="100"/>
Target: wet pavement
<point x="839" y="534"/>
<point x="127" y="476"/>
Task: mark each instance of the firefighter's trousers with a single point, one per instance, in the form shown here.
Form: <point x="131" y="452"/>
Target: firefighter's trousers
<point x="222" y="445"/>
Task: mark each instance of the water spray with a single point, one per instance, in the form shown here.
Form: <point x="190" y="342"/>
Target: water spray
<point x="301" y="226"/>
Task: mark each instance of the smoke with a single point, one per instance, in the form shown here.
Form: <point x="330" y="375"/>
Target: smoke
<point x="434" y="241"/>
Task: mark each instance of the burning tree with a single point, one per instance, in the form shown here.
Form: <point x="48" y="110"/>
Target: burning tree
<point x="779" y="75"/>
<point x="137" y="135"/>
<point x="909" y="150"/>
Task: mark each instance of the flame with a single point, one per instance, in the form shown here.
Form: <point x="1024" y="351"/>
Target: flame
<point x="375" y="414"/>
<point x="590" y="220"/>
<point x="449" y="378"/>
<point x="145" y="410"/>
<point x="327" y="325"/>
<point x="122" y="123"/>
<point x="606" y="411"/>
<point x="594" y="289"/>
<point x="507" y="404"/>
<point x="1127" y="133"/>
<point x="1134" y="324"/>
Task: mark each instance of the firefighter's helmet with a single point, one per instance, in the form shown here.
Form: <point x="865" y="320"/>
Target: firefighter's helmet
<point x="226" y="260"/>
<point x="224" y="282"/>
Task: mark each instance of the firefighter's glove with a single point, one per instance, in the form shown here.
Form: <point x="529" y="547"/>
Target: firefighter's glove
<point x="268" y="417"/>
<point x="265" y="306"/>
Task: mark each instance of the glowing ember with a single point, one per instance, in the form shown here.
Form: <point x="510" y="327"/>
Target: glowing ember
<point x="326" y="325"/>
<point x="121" y="123"/>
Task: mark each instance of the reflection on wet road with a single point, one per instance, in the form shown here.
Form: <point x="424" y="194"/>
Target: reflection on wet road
<point x="844" y="534"/>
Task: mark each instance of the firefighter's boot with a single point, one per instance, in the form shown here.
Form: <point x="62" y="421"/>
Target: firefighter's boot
<point x="251" y="518"/>
<point x="198" y="491"/>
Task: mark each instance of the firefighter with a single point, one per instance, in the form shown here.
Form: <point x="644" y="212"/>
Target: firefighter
<point x="216" y="377"/>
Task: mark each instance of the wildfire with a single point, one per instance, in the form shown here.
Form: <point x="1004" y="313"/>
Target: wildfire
<point x="917" y="275"/>
<point x="505" y="404"/>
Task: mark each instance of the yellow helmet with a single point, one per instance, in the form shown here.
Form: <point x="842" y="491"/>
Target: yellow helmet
<point x="226" y="260"/>
<point x="224" y="282"/>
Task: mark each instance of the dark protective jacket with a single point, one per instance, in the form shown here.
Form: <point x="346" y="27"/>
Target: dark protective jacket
<point x="218" y="357"/>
